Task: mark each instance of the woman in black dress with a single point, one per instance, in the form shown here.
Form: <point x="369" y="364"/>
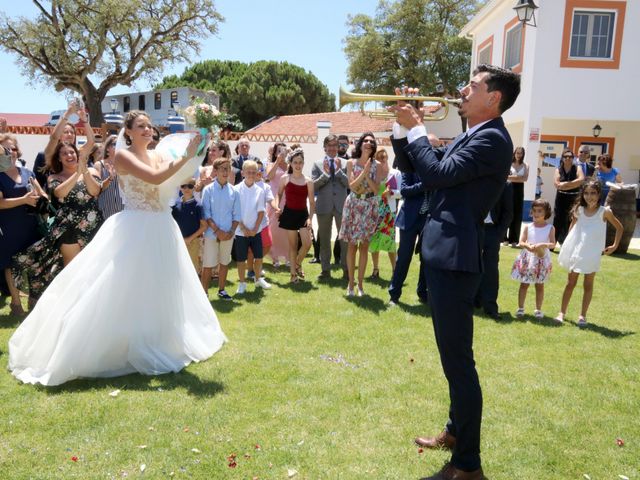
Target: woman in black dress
<point x="567" y="178"/>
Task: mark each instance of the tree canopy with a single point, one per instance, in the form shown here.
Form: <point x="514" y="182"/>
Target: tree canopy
<point x="89" y="47"/>
<point x="410" y="42"/>
<point x="257" y="91"/>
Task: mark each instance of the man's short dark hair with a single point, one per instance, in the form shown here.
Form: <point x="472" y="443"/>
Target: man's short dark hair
<point x="504" y="81"/>
<point x="343" y="137"/>
<point x="330" y="138"/>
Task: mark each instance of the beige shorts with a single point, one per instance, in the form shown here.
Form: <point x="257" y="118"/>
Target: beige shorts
<point x="216" y="252"/>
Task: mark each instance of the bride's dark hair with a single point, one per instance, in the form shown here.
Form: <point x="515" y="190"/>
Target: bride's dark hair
<point x="128" y="122"/>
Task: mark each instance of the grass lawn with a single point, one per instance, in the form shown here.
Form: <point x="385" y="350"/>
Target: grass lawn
<point x="335" y="388"/>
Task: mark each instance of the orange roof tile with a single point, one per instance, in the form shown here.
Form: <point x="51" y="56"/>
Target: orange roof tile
<point x="26" y="119"/>
<point x="347" y="123"/>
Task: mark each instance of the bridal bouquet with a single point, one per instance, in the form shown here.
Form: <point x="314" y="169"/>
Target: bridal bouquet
<point x="202" y="115"/>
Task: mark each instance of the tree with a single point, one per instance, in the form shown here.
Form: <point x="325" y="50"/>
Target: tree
<point x="410" y="42"/>
<point x="257" y="91"/>
<point x="91" y="46"/>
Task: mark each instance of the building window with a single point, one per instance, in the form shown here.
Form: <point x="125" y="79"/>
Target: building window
<point x="141" y="102"/>
<point x="485" y="52"/>
<point x="174" y="98"/>
<point x="126" y="104"/>
<point x="592" y="34"/>
<point x="513" y="47"/>
<point x="157" y="101"/>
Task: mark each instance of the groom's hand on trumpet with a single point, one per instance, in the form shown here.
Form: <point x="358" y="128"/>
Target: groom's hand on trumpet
<point x="407" y="115"/>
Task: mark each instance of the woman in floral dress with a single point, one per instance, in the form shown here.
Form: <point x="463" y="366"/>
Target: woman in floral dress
<point x="74" y="188"/>
<point x="360" y="211"/>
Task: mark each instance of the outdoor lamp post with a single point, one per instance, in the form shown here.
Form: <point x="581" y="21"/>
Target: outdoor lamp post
<point x="114" y="105"/>
<point x="176" y="106"/>
<point x="526" y="12"/>
<point x="597" y="129"/>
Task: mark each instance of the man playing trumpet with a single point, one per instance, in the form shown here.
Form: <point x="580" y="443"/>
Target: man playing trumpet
<point x="466" y="179"/>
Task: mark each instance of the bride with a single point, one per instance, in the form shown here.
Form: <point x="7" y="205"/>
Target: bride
<point x="131" y="300"/>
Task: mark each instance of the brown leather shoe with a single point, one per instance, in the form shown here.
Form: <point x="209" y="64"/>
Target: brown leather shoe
<point x="444" y="440"/>
<point x="449" y="472"/>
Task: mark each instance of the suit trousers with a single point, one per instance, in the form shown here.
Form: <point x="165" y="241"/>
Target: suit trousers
<point x="451" y="296"/>
<point x="487" y="296"/>
<point x="324" y="237"/>
<point x="406" y="251"/>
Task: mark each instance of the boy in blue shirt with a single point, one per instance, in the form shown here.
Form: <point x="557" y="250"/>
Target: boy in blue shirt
<point x="188" y="215"/>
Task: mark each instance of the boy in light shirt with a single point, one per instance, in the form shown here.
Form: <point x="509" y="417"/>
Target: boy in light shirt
<point x="221" y="206"/>
<point x="252" y="211"/>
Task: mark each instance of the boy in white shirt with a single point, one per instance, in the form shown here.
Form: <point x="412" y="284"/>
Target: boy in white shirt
<point x="252" y="211"/>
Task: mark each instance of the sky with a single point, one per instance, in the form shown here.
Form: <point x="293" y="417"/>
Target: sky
<point x="306" y="33"/>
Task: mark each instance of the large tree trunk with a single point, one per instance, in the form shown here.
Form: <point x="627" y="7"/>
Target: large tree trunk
<point x="93" y="102"/>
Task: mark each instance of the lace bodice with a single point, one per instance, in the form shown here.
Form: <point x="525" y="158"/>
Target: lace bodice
<point x="140" y="195"/>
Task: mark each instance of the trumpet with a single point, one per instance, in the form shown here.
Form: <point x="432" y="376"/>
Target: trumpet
<point x="346" y="97"/>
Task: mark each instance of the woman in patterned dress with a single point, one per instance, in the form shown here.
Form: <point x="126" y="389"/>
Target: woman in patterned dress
<point x="360" y="211"/>
<point x="74" y="188"/>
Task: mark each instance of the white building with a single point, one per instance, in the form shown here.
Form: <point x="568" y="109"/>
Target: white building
<point x="157" y="103"/>
<point x="579" y="67"/>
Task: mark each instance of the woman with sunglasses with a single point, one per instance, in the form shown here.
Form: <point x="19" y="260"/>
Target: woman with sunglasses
<point x="19" y="193"/>
<point x="360" y="211"/>
<point x="131" y="301"/>
<point x="567" y="179"/>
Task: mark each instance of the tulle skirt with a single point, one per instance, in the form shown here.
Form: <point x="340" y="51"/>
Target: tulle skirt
<point x="129" y="302"/>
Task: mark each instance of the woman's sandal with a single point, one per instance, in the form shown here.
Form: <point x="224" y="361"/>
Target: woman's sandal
<point x="375" y="274"/>
<point x="299" y="271"/>
<point x="294" y="278"/>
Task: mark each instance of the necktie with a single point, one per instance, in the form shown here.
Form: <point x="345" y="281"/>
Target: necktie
<point x="332" y="167"/>
<point x="425" y="204"/>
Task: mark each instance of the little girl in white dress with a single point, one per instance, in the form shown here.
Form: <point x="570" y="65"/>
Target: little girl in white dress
<point x="582" y="250"/>
<point x="533" y="265"/>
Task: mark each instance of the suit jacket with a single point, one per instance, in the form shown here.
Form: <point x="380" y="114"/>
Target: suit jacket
<point x="502" y="211"/>
<point x="330" y="193"/>
<point x="466" y="180"/>
<point x="413" y="196"/>
<point x="236" y="166"/>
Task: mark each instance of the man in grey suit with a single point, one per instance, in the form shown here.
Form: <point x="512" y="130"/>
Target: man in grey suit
<point x="330" y="184"/>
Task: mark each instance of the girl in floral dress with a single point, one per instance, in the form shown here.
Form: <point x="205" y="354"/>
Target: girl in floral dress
<point x="533" y="265"/>
<point x="74" y="188"/>
<point x="360" y="211"/>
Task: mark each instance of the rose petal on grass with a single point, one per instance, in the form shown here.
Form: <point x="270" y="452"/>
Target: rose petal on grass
<point x="143" y="467"/>
<point x="74" y="459"/>
<point x="185" y="429"/>
<point x="115" y="393"/>
<point x="301" y="442"/>
<point x="620" y="442"/>
<point x="420" y="450"/>
<point x="257" y="447"/>
<point x="623" y="477"/>
<point x="246" y="455"/>
<point x="195" y="450"/>
<point x="291" y="472"/>
<point x="587" y="477"/>
<point x="142" y="446"/>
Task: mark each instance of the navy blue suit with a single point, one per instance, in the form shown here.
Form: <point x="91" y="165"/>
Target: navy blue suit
<point x="466" y="179"/>
<point x="501" y="216"/>
<point x="410" y="222"/>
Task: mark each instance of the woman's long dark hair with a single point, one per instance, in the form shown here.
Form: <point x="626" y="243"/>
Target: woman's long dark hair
<point x="357" y="152"/>
<point x="56" y="164"/>
<point x="514" y="159"/>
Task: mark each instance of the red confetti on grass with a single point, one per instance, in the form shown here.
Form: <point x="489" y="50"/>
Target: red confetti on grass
<point x="620" y="442"/>
<point x="233" y="464"/>
<point x="74" y="459"/>
<point x="257" y="447"/>
<point x="420" y="450"/>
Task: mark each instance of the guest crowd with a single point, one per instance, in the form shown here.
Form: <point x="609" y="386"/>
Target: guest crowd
<point x="239" y="207"/>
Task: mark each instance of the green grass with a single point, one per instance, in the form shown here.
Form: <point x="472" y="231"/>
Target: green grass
<point x="337" y="388"/>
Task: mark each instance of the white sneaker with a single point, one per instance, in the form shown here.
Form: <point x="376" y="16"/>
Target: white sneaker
<point x="262" y="283"/>
<point x="560" y="318"/>
<point x="360" y="292"/>
<point x="242" y="287"/>
<point x="520" y="313"/>
<point x="392" y="304"/>
<point x="350" y="292"/>
<point x="538" y="314"/>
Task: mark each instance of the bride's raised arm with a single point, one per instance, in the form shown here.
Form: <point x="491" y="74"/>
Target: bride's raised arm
<point x="127" y="162"/>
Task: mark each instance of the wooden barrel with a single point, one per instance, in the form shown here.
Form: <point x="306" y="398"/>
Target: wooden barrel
<point x="623" y="205"/>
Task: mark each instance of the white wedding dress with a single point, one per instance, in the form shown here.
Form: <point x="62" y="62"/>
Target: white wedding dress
<point x="131" y="301"/>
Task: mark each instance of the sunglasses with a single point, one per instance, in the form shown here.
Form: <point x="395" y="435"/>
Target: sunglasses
<point x="343" y="144"/>
<point x="366" y="140"/>
<point x="187" y="185"/>
<point x="567" y="156"/>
